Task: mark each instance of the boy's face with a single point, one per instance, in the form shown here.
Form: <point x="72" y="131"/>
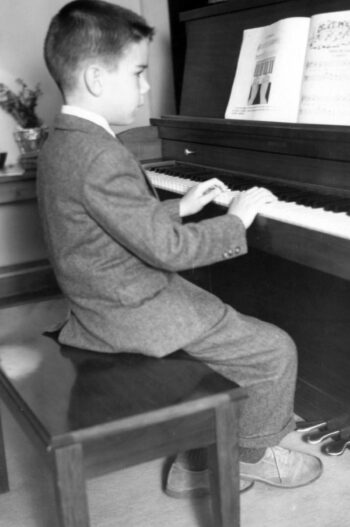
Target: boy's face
<point x="125" y="86"/>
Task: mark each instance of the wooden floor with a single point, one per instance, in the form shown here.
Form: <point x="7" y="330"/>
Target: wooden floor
<point x="134" y="497"/>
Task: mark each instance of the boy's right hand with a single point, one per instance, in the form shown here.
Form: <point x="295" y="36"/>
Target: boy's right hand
<point x="249" y="203"/>
<point x="200" y="195"/>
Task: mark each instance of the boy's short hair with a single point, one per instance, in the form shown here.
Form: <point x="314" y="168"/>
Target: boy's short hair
<point x="85" y="30"/>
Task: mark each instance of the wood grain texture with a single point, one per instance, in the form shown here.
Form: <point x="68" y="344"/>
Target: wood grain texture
<point x="4" y="482"/>
<point x="224" y="468"/>
<point x="69" y="483"/>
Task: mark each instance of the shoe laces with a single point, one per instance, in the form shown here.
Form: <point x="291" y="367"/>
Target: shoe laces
<point x="281" y="457"/>
<point x="281" y="454"/>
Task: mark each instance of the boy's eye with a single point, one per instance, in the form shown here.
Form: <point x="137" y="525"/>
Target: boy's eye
<point x="140" y="72"/>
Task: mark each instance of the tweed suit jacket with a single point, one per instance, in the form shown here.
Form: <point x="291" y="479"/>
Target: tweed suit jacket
<point x="116" y="249"/>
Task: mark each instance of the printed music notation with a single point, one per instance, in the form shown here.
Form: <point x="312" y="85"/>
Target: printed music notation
<point x="331" y="34"/>
<point x="295" y="70"/>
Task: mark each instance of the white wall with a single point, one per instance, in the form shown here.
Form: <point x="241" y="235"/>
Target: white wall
<point x="23" y="27"/>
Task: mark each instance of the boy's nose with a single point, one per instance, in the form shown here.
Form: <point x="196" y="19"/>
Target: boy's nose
<point x="144" y="87"/>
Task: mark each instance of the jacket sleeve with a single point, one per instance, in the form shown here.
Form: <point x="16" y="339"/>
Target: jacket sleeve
<point x="172" y="206"/>
<point x="117" y="197"/>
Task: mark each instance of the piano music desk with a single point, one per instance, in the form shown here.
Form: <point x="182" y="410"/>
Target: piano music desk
<point x="91" y="413"/>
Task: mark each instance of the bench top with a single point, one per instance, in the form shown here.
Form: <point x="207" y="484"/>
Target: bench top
<point x="65" y="392"/>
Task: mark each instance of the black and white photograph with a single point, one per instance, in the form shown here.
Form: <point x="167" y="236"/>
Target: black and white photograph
<point x="174" y="263"/>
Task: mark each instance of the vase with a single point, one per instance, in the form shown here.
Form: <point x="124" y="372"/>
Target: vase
<point x="29" y="140"/>
<point x="3" y="156"/>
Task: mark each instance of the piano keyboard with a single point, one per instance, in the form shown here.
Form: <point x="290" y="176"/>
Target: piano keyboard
<point x="315" y="218"/>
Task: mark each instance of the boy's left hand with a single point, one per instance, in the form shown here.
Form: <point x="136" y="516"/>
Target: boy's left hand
<point x="200" y="195"/>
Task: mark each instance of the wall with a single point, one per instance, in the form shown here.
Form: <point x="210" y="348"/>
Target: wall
<point x="24" y="24"/>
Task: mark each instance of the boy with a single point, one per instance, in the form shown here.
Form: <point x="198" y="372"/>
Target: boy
<point x="116" y="248"/>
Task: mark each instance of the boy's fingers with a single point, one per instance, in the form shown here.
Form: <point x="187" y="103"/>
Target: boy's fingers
<point x="212" y="193"/>
<point x="213" y="184"/>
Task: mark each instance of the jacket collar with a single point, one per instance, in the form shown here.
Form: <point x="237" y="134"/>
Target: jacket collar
<point x="96" y="118"/>
<point x="74" y="123"/>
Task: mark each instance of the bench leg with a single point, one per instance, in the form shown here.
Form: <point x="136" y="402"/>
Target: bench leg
<point x="70" y="486"/>
<point x="4" y="482"/>
<point x="224" y="468"/>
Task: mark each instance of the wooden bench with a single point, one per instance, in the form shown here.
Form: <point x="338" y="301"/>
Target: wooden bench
<point x="92" y="413"/>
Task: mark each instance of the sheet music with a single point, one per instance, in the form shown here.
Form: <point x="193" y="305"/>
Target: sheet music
<point x="325" y="97"/>
<point x="269" y="74"/>
<point x="295" y="70"/>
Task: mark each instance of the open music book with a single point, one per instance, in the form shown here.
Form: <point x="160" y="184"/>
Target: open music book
<point x="295" y="70"/>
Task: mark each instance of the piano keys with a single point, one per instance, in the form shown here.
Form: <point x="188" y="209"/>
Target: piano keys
<point x="306" y="226"/>
<point x="319" y="212"/>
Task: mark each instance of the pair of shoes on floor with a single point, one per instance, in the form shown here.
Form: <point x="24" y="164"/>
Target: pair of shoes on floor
<point x="279" y="467"/>
<point x="184" y="483"/>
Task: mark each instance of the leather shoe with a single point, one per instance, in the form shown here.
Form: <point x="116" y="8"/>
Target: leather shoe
<point x="184" y="483"/>
<point x="281" y="467"/>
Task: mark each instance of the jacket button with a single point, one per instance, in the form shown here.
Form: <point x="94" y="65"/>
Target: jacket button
<point x="237" y="250"/>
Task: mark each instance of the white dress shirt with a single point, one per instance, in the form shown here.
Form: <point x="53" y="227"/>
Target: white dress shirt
<point x="89" y="116"/>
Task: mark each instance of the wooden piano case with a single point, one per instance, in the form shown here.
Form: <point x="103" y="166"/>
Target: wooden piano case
<point x="293" y="277"/>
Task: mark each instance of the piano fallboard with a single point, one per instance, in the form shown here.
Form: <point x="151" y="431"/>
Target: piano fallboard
<point x="307" y="155"/>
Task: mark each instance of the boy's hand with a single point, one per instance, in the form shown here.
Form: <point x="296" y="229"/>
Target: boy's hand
<point x="200" y="195"/>
<point x="249" y="202"/>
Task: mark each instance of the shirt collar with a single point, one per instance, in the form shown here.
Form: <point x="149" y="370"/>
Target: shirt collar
<point x="67" y="109"/>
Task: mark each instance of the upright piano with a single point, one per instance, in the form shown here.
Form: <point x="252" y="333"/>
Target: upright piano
<point x="297" y="271"/>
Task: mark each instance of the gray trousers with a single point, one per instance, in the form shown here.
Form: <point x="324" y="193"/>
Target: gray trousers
<point x="262" y="358"/>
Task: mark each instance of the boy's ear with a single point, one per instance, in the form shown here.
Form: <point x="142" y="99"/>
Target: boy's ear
<point x="93" y="79"/>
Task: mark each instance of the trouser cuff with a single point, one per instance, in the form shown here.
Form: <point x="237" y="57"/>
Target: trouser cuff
<point x="260" y="441"/>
